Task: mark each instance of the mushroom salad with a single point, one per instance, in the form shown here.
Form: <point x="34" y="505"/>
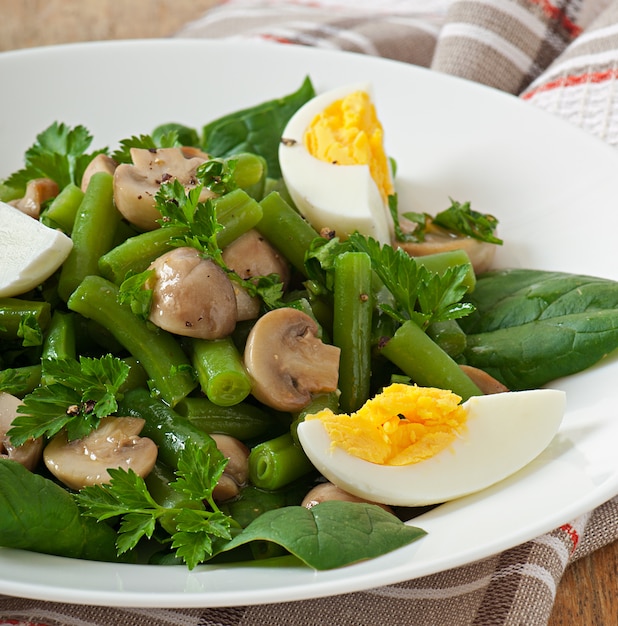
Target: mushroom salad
<point x="226" y="345"/>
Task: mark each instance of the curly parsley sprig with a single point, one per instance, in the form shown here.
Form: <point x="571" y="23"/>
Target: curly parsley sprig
<point x="198" y="529"/>
<point x="79" y="394"/>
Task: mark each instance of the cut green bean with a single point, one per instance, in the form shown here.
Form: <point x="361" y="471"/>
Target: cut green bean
<point x="63" y="209"/>
<point x="449" y="336"/>
<point x="352" y="314"/>
<point x="420" y="358"/>
<point x="243" y="421"/>
<point x="318" y="403"/>
<point x="277" y="462"/>
<point x="160" y="354"/>
<point x="93" y="233"/>
<point x="137" y="253"/>
<point x="14" y="310"/>
<point x="286" y="230"/>
<point x="167" y="428"/>
<point x="220" y="371"/>
<point x="237" y="212"/>
<point x="441" y="261"/>
<point x="250" y="173"/>
<point x="59" y="341"/>
<point x="19" y="381"/>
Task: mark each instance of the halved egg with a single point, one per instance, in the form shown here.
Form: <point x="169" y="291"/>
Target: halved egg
<point x="335" y="166"/>
<point x="445" y="453"/>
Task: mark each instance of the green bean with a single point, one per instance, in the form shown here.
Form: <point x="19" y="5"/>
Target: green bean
<point x="19" y="381"/>
<point x="237" y="212"/>
<point x="419" y="357"/>
<point x="286" y="230"/>
<point x="137" y="253"/>
<point x="14" y="310"/>
<point x="220" y="371"/>
<point x="167" y="428"/>
<point x="250" y="173"/>
<point x="352" y="314"/>
<point x="318" y="403"/>
<point x="137" y="376"/>
<point x="93" y="233"/>
<point x="243" y="421"/>
<point x="59" y="341"/>
<point x="441" y="261"/>
<point x="277" y="462"/>
<point x="158" y="351"/>
<point x="449" y="336"/>
<point x="62" y="210"/>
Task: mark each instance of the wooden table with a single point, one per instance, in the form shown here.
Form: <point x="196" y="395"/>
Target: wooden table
<point x="587" y="594"/>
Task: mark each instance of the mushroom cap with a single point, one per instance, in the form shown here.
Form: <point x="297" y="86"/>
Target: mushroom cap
<point x="251" y="256"/>
<point x="328" y="491"/>
<point x="287" y="362"/>
<point x="38" y="190"/>
<point x="115" y="443"/>
<point x="481" y="253"/>
<point x="100" y="163"/>
<point x="192" y="296"/>
<point x="137" y="184"/>
<point x="236" y="473"/>
<point x="29" y="453"/>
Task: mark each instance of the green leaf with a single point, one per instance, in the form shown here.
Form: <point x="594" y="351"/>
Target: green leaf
<point x="421" y="296"/>
<point x="59" y="153"/>
<point x="37" y="514"/>
<point x="144" y="142"/>
<point x="80" y="395"/>
<point x="531" y="327"/>
<point x="331" y="534"/>
<point x="30" y="331"/>
<point x="256" y="129"/>
<point x="460" y="218"/>
<point x="133" y="293"/>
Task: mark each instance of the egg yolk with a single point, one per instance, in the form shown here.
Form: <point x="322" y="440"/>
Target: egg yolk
<point x="402" y="425"/>
<point x="348" y="132"/>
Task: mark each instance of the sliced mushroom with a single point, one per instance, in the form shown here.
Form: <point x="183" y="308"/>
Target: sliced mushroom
<point x="100" y="163"/>
<point x="29" y="453"/>
<point x="192" y="296"/>
<point x="287" y="362"/>
<point x="437" y="239"/>
<point x="38" y="190"/>
<point x="136" y="185"/>
<point x="251" y="256"/>
<point x="115" y="443"/>
<point x="327" y="491"/>
<point x="236" y="473"/>
<point x="484" y="381"/>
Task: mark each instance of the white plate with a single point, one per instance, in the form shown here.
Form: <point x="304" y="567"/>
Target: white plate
<point x="552" y="187"/>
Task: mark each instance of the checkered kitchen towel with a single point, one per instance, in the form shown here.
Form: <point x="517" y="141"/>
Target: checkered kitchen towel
<point x="561" y="56"/>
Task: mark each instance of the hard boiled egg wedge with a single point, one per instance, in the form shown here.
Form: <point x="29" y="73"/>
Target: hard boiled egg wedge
<point x="334" y="165"/>
<point x="500" y="434"/>
<point x="30" y="252"/>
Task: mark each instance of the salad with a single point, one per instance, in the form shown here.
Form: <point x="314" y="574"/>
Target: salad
<point x="208" y="416"/>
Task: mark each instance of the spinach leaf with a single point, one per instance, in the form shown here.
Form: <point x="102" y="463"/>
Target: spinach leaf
<point x="37" y="514"/>
<point x="330" y="534"/>
<point x="256" y="129"/>
<point x="531" y="326"/>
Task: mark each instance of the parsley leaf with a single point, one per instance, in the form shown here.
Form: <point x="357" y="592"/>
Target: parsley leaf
<point x="144" y="142"/>
<point x="460" y="218"/>
<point x="79" y="395"/>
<point x="59" y="153"/>
<point x="30" y="331"/>
<point x="420" y="295"/>
<point x="132" y="291"/>
<point x="198" y="530"/>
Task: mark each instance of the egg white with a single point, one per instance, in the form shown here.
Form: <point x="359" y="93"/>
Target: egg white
<point x="504" y="433"/>
<point x="343" y="198"/>
<point x="31" y="252"/>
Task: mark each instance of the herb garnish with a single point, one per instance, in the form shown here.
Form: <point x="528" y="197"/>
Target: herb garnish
<point x="59" y="153"/>
<point x="79" y="395"/>
<point x="197" y="529"/>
